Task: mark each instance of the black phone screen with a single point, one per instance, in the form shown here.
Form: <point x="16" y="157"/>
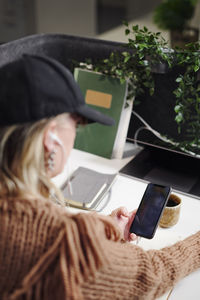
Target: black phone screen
<point x="150" y="210"/>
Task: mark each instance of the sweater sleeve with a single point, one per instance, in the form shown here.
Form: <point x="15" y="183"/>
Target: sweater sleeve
<point x="74" y="254"/>
<point x="133" y="273"/>
<point x="86" y="260"/>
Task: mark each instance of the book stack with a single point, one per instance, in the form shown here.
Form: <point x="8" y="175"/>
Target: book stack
<point x="86" y="188"/>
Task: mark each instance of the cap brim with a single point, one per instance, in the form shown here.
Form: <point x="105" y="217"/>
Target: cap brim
<point x="94" y="116"/>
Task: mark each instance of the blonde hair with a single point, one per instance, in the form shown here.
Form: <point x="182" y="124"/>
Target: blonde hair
<point x="22" y="162"/>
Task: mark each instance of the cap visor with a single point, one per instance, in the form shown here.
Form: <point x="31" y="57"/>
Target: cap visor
<point x="95" y="116"/>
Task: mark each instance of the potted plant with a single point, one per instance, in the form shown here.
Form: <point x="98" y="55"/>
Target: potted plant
<point x="187" y="94"/>
<point x="147" y="53"/>
<point x="175" y="16"/>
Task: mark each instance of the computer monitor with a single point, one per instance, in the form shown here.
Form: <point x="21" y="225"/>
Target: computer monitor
<point x="153" y="129"/>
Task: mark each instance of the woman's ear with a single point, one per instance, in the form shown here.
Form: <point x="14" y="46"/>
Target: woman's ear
<point x="48" y="141"/>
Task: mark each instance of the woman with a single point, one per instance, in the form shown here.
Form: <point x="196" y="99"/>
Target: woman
<point x="45" y="252"/>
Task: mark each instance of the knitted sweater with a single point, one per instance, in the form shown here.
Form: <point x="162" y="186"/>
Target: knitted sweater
<point x="48" y="254"/>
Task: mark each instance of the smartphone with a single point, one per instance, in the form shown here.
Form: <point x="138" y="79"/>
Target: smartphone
<point x="150" y="210"/>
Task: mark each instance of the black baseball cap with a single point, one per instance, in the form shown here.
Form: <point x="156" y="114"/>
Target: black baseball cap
<point x="34" y="87"/>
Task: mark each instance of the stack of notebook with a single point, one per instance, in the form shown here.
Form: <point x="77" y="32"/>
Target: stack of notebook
<point x="87" y="188"/>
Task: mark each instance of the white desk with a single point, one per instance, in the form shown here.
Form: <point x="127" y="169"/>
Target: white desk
<point x="128" y="192"/>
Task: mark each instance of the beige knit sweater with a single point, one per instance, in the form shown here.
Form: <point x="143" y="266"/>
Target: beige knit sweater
<point x="48" y="254"/>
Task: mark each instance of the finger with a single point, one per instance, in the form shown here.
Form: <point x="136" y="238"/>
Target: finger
<point x="114" y="212"/>
<point x="132" y="215"/>
<point x="122" y="211"/>
<point x="133" y="212"/>
<point x="132" y="237"/>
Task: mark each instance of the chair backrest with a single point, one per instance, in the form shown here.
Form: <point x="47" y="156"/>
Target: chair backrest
<point x="64" y="48"/>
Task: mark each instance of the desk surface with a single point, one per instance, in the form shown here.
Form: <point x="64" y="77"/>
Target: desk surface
<point x="128" y="192"/>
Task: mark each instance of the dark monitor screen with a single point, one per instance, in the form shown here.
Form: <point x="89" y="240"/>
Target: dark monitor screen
<point x="153" y="120"/>
<point x="163" y="159"/>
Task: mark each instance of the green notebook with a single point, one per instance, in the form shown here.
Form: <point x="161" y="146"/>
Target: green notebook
<point x="106" y="94"/>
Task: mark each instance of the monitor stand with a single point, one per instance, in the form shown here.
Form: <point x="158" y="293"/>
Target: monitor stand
<point x="181" y="172"/>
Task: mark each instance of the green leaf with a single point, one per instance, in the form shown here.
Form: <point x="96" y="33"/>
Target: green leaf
<point x="196" y="68"/>
<point x="135" y="28"/>
<point x="126" y="59"/>
<point x="179" y="118"/>
<point x="145" y="29"/>
<point x="122" y="80"/>
<point x="179" y="79"/>
<point x="125" y="23"/>
<point x="119" y="72"/>
<point x="151" y="92"/>
<point x="177" y="108"/>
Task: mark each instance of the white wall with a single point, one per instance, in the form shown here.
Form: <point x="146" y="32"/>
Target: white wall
<point x="66" y="16"/>
<point x="118" y="33"/>
<point x="17" y="19"/>
<point x="76" y="17"/>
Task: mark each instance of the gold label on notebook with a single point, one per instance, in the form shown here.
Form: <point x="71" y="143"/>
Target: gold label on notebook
<point x="98" y="98"/>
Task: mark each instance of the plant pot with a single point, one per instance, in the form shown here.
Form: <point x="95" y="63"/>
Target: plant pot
<point x="181" y="38"/>
<point x="161" y="67"/>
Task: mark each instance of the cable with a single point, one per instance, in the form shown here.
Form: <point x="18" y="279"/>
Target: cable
<point x="158" y="135"/>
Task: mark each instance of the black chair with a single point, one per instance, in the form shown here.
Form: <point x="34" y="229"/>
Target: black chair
<point x="64" y="48"/>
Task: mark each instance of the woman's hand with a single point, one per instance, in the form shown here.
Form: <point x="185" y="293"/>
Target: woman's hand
<point x="124" y="220"/>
